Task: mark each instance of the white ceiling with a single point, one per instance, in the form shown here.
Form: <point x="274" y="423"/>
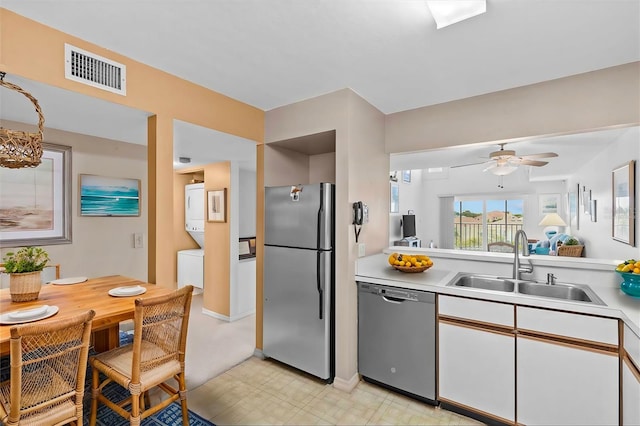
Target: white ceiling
<point x="270" y="53"/>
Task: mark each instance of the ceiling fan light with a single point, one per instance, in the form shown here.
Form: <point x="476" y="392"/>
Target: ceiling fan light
<point x="447" y="12"/>
<point x="502" y="170"/>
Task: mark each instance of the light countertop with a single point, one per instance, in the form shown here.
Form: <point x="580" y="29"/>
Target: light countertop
<point x="375" y="269"/>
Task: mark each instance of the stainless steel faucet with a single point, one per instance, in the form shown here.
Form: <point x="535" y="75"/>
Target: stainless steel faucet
<point x="521" y="238"/>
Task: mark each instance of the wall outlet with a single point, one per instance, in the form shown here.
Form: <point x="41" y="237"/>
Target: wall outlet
<point x="138" y="240"/>
<point x="361" y="250"/>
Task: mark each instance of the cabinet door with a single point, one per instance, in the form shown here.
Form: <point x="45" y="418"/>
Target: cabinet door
<point x="565" y="385"/>
<point x="477" y="369"/>
<point x="630" y="395"/>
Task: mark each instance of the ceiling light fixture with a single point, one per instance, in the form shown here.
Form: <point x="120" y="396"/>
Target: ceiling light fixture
<point x="20" y="149"/>
<point x="447" y="12"/>
<point x="502" y="167"/>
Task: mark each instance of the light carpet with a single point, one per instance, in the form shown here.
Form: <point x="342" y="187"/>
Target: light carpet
<point x="214" y="346"/>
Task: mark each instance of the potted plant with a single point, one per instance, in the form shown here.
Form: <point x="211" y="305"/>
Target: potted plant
<point x="24" y="268"/>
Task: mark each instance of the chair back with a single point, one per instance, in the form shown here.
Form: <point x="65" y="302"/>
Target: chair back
<point x="160" y="331"/>
<point x="48" y="367"/>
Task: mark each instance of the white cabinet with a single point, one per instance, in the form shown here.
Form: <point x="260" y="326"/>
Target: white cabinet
<point x="631" y="379"/>
<point x="630" y="394"/>
<point x="191" y="268"/>
<point x="567" y="368"/>
<point x="477" y="370"/>
<point x="560" y="384"/>
<point x="476" y="362"/>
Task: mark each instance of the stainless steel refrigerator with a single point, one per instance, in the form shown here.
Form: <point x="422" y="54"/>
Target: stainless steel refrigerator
<point x="298" y="310"/>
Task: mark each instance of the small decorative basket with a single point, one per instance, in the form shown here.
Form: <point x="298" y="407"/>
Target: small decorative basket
<point x="630" y="284"/>
<point x="25" y="287"/>
<point x="18" y="148"/>
<point x="572" y="251"/>
<point x="411" y="268"/>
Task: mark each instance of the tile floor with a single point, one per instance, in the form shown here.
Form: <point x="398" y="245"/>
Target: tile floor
<point x="269" y="393"/>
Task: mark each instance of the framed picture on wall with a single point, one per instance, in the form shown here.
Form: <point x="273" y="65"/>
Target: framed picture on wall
<point x="549" y="203"/>
<point x="572" y="206"/>
<point x="217" y="205"/>
<point x="35" y="203"/>
<point x="623" y="204"/>
<point x="406" y="176"/>
<point x="109" y="196"/>
<point x="394" y="203"/>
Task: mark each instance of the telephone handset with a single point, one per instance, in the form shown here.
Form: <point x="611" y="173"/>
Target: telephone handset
<point x="360" y="213"/>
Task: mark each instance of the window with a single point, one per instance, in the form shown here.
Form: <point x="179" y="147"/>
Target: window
<point x="479" y="222"/>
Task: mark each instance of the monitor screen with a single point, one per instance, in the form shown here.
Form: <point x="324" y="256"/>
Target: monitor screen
<point x="408" y="225"/>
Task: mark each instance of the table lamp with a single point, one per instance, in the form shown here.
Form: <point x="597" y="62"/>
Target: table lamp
<point x="552" y="219"/>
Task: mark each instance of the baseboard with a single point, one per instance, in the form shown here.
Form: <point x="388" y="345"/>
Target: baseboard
<point x="215" y="315"/>
<point x="242" y="315"/>
<point x="346" y="385"/>
<point x="258" y="353"/>
<point x="225" y="317"/>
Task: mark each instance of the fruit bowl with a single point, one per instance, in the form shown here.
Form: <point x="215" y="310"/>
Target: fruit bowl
<point x="630" y="284"/>
<point x="411" y="268"/>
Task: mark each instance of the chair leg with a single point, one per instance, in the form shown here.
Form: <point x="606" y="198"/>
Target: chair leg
<point x="95" y="383"/>
<point x="183" y="399"/>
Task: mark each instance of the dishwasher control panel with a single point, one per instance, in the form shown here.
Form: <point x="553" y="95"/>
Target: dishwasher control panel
<point x="397" y="293"/>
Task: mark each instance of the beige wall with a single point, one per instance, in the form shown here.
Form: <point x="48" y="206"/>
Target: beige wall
<point x="360" y="174"/>
<point x="217" y="292"/>
<point x="589" y="101"/>
<point x="34" y="51"/>
<point x="101" y="245"/>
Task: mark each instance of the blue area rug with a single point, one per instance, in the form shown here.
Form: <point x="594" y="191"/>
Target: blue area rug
<point x="170" y="416"/>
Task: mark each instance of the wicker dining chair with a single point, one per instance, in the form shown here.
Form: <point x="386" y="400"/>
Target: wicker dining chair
<point x="48" y="367"/>
<point x="155" y="356"/>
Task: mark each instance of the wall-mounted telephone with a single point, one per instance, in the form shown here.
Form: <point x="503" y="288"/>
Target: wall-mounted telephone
<point x="360" y="213"/>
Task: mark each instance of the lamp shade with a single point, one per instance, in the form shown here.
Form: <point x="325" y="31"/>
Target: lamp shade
<point x="552" y="219"/>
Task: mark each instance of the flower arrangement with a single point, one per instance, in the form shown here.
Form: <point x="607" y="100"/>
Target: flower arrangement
<point x="26" y="259"/>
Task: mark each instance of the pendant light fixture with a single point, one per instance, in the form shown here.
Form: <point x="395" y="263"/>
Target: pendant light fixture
<point x="20" y="149"/>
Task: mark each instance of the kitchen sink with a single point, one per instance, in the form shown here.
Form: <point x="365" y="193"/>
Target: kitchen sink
<point x="571" y="292"/>
<point x="557" y="291"/>
<point x="484" y="282"/>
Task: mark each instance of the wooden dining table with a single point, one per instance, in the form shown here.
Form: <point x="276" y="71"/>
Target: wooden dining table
<point x="77" y="298"/>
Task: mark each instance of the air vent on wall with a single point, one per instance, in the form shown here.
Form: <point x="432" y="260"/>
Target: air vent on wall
<point x="93" y="70"/>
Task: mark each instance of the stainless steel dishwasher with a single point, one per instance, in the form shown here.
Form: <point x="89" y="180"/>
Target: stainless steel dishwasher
<point x="397" y="339"/>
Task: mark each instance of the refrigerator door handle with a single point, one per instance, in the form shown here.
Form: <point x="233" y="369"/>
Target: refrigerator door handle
<point x="319" y="269"/>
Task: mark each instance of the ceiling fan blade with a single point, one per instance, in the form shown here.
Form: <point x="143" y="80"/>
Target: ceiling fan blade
<point x="541" y="155"/>
<point x="536" y="163"/>
<point x="465" y="165"/>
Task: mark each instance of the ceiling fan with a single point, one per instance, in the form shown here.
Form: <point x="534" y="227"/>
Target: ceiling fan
<point x="505" y="161"/>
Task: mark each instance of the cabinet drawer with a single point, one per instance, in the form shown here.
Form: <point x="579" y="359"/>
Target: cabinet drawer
<point x="577" y="326"/>
<point x="632" y="345"/>
<point x="476" y="310"/>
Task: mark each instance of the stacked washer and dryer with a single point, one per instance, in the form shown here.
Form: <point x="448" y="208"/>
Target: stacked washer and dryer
<point x="191" y="262"/>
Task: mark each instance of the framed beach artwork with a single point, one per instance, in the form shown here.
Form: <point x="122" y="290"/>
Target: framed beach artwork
<point x="549" y="203"/>
<point x="35" y="203"/>
<point x="217" y="205"/>
<point x="109" y="196"/>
